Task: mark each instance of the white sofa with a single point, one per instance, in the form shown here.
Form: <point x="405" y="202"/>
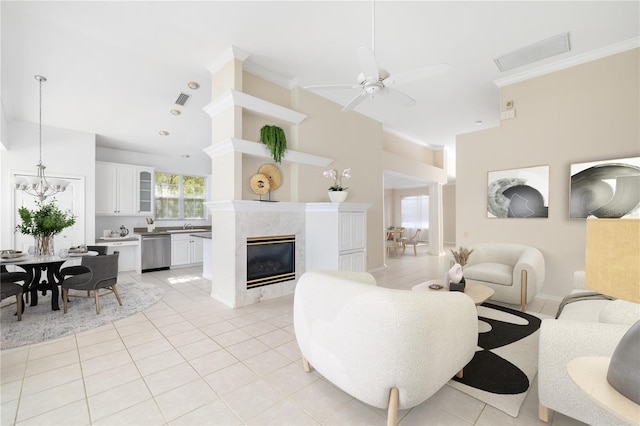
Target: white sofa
<point x="584" y="328"/>
<point x="386" y="347"/>
<point x="514" y="271"/>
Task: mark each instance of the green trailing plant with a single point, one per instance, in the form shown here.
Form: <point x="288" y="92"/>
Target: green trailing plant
<point x="46" y="221"/>
<point x="275" y="140"/>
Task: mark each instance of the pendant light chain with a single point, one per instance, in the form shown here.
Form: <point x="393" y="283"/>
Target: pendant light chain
<point x="40" y="79"/>
<point x="38" y="186"/>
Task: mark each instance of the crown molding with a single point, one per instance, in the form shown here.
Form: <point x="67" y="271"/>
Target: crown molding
<point x="266" y="74"/>
<point x="603" y="52"/>
<point x="232" y="52"/>
<point x="412" y="139"/>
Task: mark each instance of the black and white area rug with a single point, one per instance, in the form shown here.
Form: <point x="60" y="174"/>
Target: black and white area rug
<point x="506" y="360"/>
<point x="39" y="323"/>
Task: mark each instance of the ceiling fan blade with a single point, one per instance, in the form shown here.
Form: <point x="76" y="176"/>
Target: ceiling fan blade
<point x="333" y="86"/>
<point x="409" y="76"/>
<point x="368" y="64"/>
<point x="355" y="101"/>
<point x="400" y="97"/>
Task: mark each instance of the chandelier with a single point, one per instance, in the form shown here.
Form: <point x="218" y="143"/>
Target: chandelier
<point x="39" y="186"/>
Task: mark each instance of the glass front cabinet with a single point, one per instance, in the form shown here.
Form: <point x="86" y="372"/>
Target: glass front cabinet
<point x="145" y="191"/>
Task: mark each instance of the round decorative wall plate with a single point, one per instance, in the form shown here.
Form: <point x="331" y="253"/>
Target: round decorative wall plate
<point x="273" y="174"/>
<point x="259" y="184"/>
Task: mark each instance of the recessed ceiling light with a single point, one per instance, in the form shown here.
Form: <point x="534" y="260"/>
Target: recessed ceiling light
<point x="175" y="112"/>
<point x="479" y="123"/>
<point x="193" y="85"/>
<point x="163" y="133"/>
<point x="186" y="156"/>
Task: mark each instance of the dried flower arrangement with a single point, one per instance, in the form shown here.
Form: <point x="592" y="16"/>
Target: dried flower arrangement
<point x="462" y="255"/>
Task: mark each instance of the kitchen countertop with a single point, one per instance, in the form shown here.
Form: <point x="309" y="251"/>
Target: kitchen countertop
<point x="111" y="240"/>
<point x="165" y="231"/>
<point x="206" y="235"/>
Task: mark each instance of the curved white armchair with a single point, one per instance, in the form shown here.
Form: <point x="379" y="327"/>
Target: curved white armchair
<point x="386" y="347"/>
<point x="514" y="271"/>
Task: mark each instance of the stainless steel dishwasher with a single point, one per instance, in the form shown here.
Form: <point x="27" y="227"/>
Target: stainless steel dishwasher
<point x="156" y="252"/>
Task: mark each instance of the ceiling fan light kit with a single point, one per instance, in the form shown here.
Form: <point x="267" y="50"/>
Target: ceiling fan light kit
<point x="373" y="80"/>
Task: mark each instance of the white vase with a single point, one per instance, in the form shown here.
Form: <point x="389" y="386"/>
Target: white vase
<point x="337" y="196"/>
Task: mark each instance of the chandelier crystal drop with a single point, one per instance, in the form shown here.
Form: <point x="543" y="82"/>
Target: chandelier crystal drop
<point x="38" y="186"/>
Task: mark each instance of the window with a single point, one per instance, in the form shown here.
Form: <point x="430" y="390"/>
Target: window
<point x="179" y="196"/>
<point x="415" y="212"/>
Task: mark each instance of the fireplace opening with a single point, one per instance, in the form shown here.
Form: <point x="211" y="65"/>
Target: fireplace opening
<point x="270" y="260"/>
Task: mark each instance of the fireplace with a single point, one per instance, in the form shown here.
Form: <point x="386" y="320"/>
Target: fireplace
<point x="270" y="260"/>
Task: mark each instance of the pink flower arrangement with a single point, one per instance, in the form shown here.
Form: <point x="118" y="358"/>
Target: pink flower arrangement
<point x="337" y="178"/>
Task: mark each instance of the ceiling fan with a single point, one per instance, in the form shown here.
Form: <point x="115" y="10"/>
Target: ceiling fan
<point x="373" y="81"/>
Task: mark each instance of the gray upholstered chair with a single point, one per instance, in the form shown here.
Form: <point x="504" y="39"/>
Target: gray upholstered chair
<point x="95" y="273"/>
<point x="102" y="250"/>
<point x="9" y="287"/>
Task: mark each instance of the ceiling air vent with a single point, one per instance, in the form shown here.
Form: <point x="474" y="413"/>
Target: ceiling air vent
<point x="534" y="52"/>
<point x="183" y="98"/>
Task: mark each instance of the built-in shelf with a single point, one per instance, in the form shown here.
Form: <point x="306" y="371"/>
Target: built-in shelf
<point x="258" y="149"/>
<point x="257" y="105"/>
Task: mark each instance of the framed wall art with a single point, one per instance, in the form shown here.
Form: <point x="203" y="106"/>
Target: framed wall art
<point x="518" y="193"/>
<point x="605" y="189"/>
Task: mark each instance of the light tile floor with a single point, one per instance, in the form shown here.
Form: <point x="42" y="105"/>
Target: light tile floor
<point x="189" y="360"/>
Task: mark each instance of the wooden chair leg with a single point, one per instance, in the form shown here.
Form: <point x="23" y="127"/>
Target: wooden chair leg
<point x="65" y="298"/>
<point x="523" y="291"/>
<point x="115" y="291"/>
<point x="460" y="373"/>
<point x="543" y="413"/>
<point x="415" y="252"/>
<point x="392" y="412"/>
<point x="97" y="297"/>
<point x="19" y="305"/>
<point x="305" y="365"/>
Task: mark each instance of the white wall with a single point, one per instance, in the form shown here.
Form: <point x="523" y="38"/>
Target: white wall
<point x="63" y="153"/>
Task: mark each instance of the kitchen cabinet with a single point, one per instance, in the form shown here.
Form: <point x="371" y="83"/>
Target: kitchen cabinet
<point x="124" y="190"/>
<point x="185" y="250"/>
<point x="336" y="236"/>
<point x="145" y="188"/>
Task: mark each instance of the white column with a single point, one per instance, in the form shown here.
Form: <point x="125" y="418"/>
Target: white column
<point x="435" y="219"/>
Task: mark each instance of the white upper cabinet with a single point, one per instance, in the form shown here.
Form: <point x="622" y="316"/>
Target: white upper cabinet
<point x="119" y="190"/>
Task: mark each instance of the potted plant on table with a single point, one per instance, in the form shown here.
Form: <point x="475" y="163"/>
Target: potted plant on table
<point x="44" y="223"/>
<point x="455" y="274"/>
<point x="337" y="193"/>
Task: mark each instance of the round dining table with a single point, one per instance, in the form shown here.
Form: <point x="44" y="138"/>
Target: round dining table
<point x="34" y="266"/>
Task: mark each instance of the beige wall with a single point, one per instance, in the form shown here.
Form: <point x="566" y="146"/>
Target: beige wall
<point x="449" y="214"/>
<point x="351" y="139"/>
<point x="586" y="113"/>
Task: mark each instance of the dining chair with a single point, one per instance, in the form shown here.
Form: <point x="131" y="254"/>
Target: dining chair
<point x="102" y="250"/>
<point x="393" y="241"/>
<point x="9" y="287"/>
<point x="93" y="274"/>
<point x="413" y="241"/>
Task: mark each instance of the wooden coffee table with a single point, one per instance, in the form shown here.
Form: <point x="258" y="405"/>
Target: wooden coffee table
<point x="479" y="293"/>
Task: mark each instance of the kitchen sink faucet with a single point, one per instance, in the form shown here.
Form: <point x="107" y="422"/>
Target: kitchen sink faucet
<point x="187" y="226"/>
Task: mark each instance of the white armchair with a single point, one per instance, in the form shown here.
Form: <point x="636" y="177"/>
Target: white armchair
<point x="389" y="348"/>
<point x="514" y="271"/>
